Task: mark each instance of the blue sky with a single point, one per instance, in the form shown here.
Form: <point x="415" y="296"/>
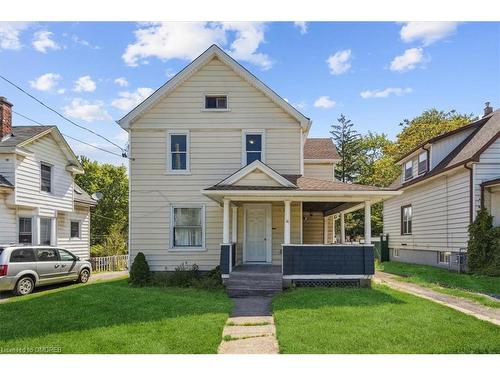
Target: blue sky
<point x="376" y="73"/>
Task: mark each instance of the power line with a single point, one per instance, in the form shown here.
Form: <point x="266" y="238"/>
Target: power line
<point x="61" y="115"/>
<point x="69" y="136"/>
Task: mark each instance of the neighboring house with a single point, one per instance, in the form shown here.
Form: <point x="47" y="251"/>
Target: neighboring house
<point x="40" y="203"/>
<point x="222" y="173"/>
<point x="444" y="181"/>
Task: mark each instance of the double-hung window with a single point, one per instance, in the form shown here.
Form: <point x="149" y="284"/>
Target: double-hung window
<point x="408" y="170"/>
<point x="45" y="177"/>
<point x="178" y="152"/>
<point x="406" y="219"/>
<point x="253" y="147"/>
<point x="45" y="231"/>
<point x="422" y="163"/>
<point x="188" y="226"/>
<point x="75" y="229"/>
<point x="25" y="230"/>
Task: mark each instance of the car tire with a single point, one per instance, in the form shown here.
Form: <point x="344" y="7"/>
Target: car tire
<point x="25" y="285"/>
<point x="84" y="276"/>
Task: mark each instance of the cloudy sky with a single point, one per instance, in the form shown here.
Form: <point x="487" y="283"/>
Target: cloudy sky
<point x="377" y="74"/>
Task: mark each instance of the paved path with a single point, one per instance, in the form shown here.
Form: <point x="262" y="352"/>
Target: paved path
<point x="250" y="329"/>
<point x="465" y="306"/>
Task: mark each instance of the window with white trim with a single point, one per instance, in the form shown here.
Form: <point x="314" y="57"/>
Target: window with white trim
<point x="215" y="102"/>
<point x="178" y="152"/>
<point x="26" y="230"/>
<point x="422" y="163"/>
<point x="45" y="231"/>
<point x="408" y="170"/>
<point x="188" y="226"/>
<point x="395" y="252"/>
<point x="253" y="147"/>
<point x="75" y="229"/>
<point x="444" y="257"/>
<point x="46" y="177"/>
<point x="406" y="219"/>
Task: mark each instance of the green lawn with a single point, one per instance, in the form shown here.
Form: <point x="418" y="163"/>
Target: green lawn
<point x="442" y="280"/>
<point x="112" y="317"/>
<point x="377" y="320"/>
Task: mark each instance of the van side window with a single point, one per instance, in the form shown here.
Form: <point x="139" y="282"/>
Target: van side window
<point x="47" y="255"/>
<point x="22" y="256"/>
<point x="66" y="256"/>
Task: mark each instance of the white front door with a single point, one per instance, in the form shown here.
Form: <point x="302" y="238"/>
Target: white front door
<point x="257" y="247"/>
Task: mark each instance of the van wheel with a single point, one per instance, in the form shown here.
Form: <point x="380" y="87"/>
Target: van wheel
<point x="24" y="285"/>
<point x="84" y="276"/>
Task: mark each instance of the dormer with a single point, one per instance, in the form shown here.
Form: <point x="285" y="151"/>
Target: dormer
<point x="320" y="157"/>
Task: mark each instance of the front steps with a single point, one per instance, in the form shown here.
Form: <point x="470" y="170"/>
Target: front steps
<point x="254" y="280"/>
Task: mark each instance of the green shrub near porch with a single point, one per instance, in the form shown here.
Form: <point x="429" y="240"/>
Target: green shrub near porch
<point x="484" y="245"/>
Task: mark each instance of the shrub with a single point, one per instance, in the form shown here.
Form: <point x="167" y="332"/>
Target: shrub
<point x="97" y="251"/>
<point x="483" y="250"/>
<point x="185" y="276"/>
<point x="139" y="272"/>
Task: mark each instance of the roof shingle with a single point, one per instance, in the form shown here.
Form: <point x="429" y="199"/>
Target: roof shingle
<point x="21" y="134"/>
<point x="320" y="148"/>
<point x="4" y="182"/>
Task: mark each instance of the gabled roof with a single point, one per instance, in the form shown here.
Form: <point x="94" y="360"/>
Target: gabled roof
<point x="486" y="131"/>
<point x="81" y="196"/>
<point x="256" y="165"/>
<point x="5" y="183"/>
<point x="23" y="135"/>
<point x="320" y="148"/>
<point x="212" y="52"/>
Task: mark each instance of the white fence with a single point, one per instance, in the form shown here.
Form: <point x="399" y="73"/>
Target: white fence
<point x="111" y="263"/>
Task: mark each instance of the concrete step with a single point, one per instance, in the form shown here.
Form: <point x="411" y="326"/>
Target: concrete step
<point x="247" y="283"/>
<point x="256" y="276"/>
<point x="247" y="292"/>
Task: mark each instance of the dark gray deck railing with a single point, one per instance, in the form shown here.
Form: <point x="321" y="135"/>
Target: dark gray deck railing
<point x="227" y="258"/>
<point x="345" y="260"/>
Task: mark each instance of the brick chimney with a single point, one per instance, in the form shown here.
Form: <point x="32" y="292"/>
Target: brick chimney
<point x="487" y="109"/>
<point x="5" y="117"/>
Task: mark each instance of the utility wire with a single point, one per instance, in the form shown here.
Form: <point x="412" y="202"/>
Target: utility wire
<point x="69" y="136"/>
<point x="61" y="115"/>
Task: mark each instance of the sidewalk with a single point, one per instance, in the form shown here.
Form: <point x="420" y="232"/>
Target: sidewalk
<point x="477" y="310"/>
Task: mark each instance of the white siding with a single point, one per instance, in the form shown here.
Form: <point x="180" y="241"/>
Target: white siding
<point x="7" y="167"/>
<point x="215" y="153"/>
<point x="313" y="228"/>
<point x="78" y="246"/>
<point x="28" y="177"/>
<point x="441" y="148"/>
<point x="8" y="227"/>
<point x="319" y="170"/>
<point x="440" y="214"/>
<point x="256" y="178"/>
<point x="487" y="169"/>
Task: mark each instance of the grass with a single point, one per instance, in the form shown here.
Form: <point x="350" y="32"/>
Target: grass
<point x="461" y="285"/>
<point x="377" y="320"/>
<point x="112" y="317"/>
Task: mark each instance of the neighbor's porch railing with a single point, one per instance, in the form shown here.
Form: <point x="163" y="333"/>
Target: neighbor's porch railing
<point x="109" y="263"/>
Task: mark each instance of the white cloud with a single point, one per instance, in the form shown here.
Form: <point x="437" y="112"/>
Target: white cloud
<point x="84" y="83"/>
<point x="121" y="81"/>
<point x="128" y="100"/>
<point x="324" y="102"/>
<point x="427" y="32"/>
<point x="187" y="40"/>
<point x="76" y="39"/>
<point x="339" y="63"/>
<point x="409" y="60"/>
<point x="10" y="33"/>
<point x="46" y="82"/>
<point x="61" y="91"/>
<point x="398" y="91"/>
<point x="42" y="41"/>
<point x="169" y="73"/>
<point x="86" y="110"/>
<point x="302" y="26"/>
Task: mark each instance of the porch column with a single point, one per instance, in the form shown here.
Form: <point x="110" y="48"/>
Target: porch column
<point x="234" y="229"/>
<point x="342" y="228"/>
<point x="334" y="240"/>
<point x="368" y="223"/>
<point x="325" y="230"/>
<point x="225" y="223"/>
<point x="287" y="223"/>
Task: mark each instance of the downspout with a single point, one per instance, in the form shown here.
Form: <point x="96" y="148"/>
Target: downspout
<point x="471" y="192"/>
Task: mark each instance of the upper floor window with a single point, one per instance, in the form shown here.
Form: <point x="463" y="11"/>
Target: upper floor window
<point x="178" y="152"/>
<point x="422" y="163"/>
<point x="46" y="177"/>
<point x="408" y="170"/>
<point x="254" y="147"/>
<point x="216" y="102"/>
<point x="406" y="219"/>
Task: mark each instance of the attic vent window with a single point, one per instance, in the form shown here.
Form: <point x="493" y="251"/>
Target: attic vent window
<point x="216" y="102"/>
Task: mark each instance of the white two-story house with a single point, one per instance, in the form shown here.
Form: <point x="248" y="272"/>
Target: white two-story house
<point x="222" y="173"/>
<point x="40" y="203"/>
<point x="444" y="181"/>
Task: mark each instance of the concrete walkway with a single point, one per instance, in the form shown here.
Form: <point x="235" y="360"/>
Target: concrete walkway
<point x="465" y="306"/>
<point x="250" y="328"/>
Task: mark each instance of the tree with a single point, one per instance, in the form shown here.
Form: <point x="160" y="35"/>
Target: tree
<point x="483" y="248"/>
<point x="112" y="208"/>
<point x="429" y="124"/>
<point x="346" y="140"/>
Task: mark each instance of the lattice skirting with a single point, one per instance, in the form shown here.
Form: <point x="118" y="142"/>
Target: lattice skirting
<point x="342" y="283"/>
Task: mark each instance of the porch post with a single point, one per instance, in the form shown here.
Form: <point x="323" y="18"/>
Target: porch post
<point x="225" y="223"/>
<point x="368" y="223"/>
<point x="325" y="230"/>
<point x="234" y="229"/>
<point x="334" y="240"/>
<point x="342" y="228"/>
<point x="287" y="223"/>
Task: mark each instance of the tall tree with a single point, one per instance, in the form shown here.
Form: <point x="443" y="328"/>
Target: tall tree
<point x="112" y="182"/>
<point x="346" y="140"/>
